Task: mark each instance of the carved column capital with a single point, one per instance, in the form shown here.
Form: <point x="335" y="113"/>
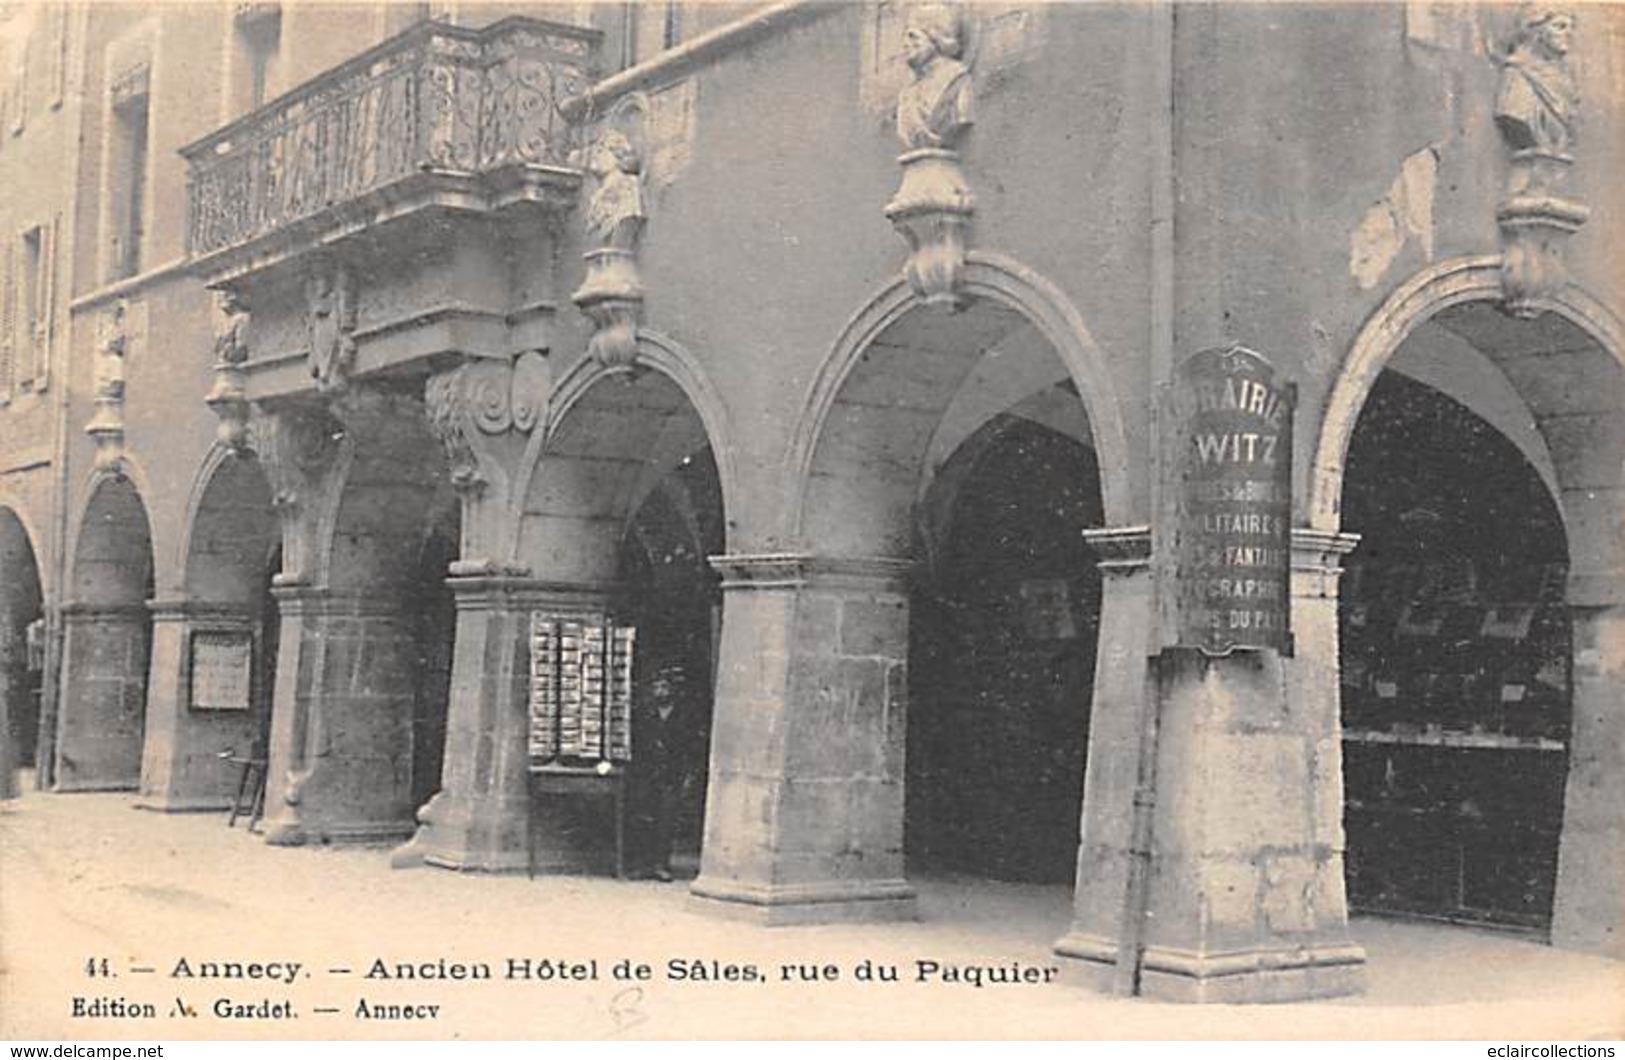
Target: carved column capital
<point x="299" y="447"/>
<point x="1317" y="561"/>
<point x="1123" y="550"/>
<point x="794" y="570"/>
<point x="480" y="411"/>
<point x="465" y="406"/>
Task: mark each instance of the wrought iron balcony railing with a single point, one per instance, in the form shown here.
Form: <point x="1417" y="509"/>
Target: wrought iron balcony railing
<point x="436" y="99"/>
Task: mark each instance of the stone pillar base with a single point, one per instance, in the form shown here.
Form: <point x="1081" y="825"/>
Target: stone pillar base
<point x="828" y="902"/>
<point x="341" y="737"/>
<point x="337" y="833"/>
<point x="184" y="764"/>
<point x="1252" y="976"/>
<point x="1089" y="961"/>
<point x="80" y="787"/>
<point x="171" y="803"/>
<point x="468" y="835"/>
<point x="1242" y="977"/>
<point x="804" y="812"/>
<point x="103" y="704"/>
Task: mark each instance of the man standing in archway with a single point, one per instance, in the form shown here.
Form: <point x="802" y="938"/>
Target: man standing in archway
<point x="663" y="728"/>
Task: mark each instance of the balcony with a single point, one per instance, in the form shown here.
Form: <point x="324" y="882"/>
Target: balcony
<point x="440" y="116"/>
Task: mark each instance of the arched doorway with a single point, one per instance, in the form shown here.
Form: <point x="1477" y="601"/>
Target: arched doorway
<point x="22" y="651"/>
<point x="430" y="601"/>
<point x="1455" y="643"/>
<point x="1554" y="387"/>
<point x="107" y="641"/>
<point x="948" y="476"/>
<point x="209" y="700"/>
<point x="1003" y="629"/>
<point x="623" y="508"/>
<point x="366" y="624"/>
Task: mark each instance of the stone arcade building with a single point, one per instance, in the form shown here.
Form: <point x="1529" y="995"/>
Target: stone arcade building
<point x="825" y="344"/>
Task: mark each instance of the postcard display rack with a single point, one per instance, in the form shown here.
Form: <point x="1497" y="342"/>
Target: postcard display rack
<point x="1455" y="725"/>
<point x="580" y="738"/>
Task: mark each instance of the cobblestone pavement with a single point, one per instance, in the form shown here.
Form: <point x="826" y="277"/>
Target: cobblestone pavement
<point x="87" y="878"/>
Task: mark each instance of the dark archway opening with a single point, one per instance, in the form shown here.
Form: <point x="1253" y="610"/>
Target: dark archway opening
<point x="1455" y="662"/>
<point x="621" y="513"/>
<point x="1001" y="661"/>
<point x="22" y="651"/>
<point x="107" y="645"/>
<point x="232" y="555"/>
<point x="429" y="599"/>
<point x="267" y="618"/>
<point x="670" y="594"/>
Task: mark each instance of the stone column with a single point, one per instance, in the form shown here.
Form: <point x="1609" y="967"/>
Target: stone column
<point x="1315" y="697"/>
<point x="341" y="732"/>
<point x="479" y="819"/>
<point x="804" y="813"/>
<point x="1589" y="907"/>
<point x="181" y="767"/>
<point x="1107" y="849"/>
<point x="1210" y="869"/>
<point x="104" y="697"/>
<point x="13" y="689"/>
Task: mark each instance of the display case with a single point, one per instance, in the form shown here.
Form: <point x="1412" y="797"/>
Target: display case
<point x="1455" y="694"/>
<point x="580" y="730"/>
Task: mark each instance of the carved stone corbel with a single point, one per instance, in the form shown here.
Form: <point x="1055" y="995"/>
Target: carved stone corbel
<point x="933" y="205"/>
<point x="298" y="447"/>
<point x="330" y="319"/>
<point x="106" y="426"/>
<point x="1537" y="111"/>
<point x="228" y="397"/>
<point x="480" y="411"/>
<point x="612" y="293"/>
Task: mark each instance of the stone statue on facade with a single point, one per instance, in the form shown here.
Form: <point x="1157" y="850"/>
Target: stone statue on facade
<point x="1537" y="109"/>
<point x="612" y="293"/>
<point x="616" y="215"/>
<point x="330" y="317"/>
<point x="106" y="426"/>
<point x="934" y="109"/>
<point x="1537" y="103"/>
<point x="228" y="397"/>
<point x="933" y="204"/>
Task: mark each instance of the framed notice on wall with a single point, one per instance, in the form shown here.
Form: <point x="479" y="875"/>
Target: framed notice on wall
<point x="222" y="670"/>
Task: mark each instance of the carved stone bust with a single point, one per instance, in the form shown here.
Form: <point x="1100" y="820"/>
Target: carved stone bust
<point x="112" y="342"/>
<point x="230" y="339"/>
<point x="616" y="213"/>
<point x="934" y="109"/>
<point x="1538" y="103"/>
